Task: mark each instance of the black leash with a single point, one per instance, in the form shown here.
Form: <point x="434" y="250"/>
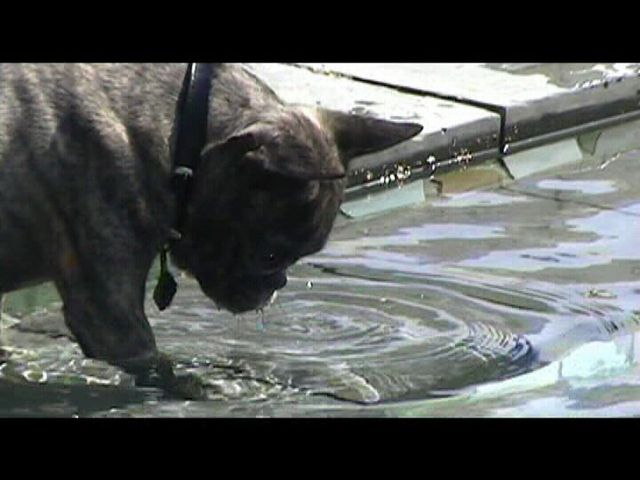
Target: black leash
<point x="190" y="135"/>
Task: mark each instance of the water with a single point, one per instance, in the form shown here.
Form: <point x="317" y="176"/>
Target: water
<point x="517" y="300"/>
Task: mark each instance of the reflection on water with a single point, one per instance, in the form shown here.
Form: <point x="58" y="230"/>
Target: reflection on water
<point x="517" y="300"/>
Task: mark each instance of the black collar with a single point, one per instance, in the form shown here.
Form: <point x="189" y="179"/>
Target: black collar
<point x="190" y="132"/>
<point x="190" y="135"/>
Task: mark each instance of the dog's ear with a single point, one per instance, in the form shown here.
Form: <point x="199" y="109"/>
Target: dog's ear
<point x="357" y="135"/>
<point x="236" y="145"/>
<point x="257" y="146"/>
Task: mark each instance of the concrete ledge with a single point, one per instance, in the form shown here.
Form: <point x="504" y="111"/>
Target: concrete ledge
<point x="534" y="100"/>
<point x="470" y="112"/>
<point x="452" y="131"/>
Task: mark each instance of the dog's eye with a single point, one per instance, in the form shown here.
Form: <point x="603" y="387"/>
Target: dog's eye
<point x="271" y="262"/>
<point x="271" y="259"/>
<point x="260" y="179"/>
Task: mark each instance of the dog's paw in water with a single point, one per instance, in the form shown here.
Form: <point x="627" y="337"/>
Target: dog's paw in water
<point x="186" y="386"/>
<point x="161" y="375"/>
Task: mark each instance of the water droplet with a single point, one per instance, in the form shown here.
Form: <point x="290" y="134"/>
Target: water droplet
<point x="309" y="284"/>
<point x="598" y="293"/>
<point x="403" y="172"/>
<point x="383" y="300"/>
<point x="506" y="148"/>
<point x="368" y="176"/>
<point x="260" y="323"/>
<point x="273" y="297"/>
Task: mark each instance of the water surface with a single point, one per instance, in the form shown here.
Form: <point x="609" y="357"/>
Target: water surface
<point x="517" y="300"/>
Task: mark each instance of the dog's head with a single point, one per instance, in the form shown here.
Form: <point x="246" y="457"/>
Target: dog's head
<point x="268" y="195"/>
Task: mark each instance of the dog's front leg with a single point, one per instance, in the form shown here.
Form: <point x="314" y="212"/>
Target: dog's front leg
<point x="107" y="318"/>
<point x="103" y="291"/>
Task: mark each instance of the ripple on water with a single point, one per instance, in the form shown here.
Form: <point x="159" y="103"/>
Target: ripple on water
<point x="347" y="342"/>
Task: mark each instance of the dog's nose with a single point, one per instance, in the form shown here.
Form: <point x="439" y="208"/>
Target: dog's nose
<point x="276" y="281"/>
<point x="283" y="281"/>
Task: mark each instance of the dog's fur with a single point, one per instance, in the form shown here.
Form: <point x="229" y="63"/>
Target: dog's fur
<point x="85" y="197"/>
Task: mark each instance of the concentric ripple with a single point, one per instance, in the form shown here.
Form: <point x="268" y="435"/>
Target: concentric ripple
<point x="350" y="340"/>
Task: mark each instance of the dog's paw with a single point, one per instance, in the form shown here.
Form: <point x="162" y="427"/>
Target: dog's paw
<point x="187" y="387"/>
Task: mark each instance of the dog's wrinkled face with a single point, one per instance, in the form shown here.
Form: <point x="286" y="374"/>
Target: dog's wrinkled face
<point x="269" y="195"/>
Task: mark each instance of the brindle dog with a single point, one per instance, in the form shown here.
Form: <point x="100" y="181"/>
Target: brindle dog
<point x="86" y="201"/>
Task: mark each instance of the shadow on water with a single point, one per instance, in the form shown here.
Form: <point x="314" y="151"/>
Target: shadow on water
<point x="50" y="400"/>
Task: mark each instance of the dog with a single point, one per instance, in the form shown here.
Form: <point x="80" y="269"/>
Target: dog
<point x="86" y="198"/>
